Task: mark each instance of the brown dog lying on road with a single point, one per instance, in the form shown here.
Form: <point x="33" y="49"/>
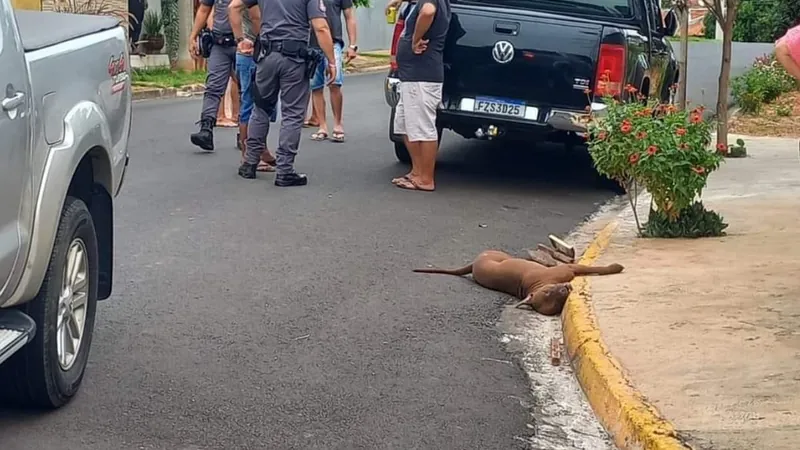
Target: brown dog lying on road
<point x="545" y="289"/>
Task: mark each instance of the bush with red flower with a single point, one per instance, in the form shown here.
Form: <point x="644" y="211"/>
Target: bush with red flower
<point x="645" y="144"/>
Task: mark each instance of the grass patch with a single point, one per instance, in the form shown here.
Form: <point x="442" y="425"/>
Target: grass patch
<point x="163" y="77"/>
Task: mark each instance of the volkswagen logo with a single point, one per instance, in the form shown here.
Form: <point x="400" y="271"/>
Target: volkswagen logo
<point x="503" y="52"/>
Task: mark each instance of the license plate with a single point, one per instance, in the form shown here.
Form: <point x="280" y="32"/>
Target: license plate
<point x="500" y="106"/>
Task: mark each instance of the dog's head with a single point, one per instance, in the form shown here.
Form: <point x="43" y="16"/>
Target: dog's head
<point x="550" y="298"/>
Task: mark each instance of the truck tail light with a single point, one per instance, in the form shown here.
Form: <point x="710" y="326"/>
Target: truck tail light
<point x="398" y="30"/>
<point x="610" y="70"/>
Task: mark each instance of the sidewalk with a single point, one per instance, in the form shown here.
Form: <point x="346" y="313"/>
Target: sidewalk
<point x="709" y="330"/>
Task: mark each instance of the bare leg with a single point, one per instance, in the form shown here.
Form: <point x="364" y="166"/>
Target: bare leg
<point x="424" y="166"/>
<point x="414" y="152"/>
<point x="336" y="104"/>
<point x="318" y="110"/>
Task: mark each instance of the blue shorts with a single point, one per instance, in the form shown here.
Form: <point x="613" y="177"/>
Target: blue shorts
<point x="318" y="80"/>
<point x="245" y="69"/>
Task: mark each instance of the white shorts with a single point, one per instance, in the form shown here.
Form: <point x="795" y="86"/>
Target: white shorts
<point x="415" y="114"/>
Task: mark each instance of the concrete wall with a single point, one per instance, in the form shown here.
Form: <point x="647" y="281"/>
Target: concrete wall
<point x="373" y="31"/>
<point x="705" y="59"/>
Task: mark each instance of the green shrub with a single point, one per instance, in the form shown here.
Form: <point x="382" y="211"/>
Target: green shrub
<point x="762" y="83"/>
<point x="694" y="221"/>
<point x="709" y="26"/>
<point x="783" y="110"/>
<point x="643" y="144"/>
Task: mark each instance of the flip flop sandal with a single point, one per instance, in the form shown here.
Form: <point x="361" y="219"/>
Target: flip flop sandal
<point x="410" y="185"/>
<point x="264" y="167"/>
<point x="337" y="136"/>
<point x="308" y="124"/>
<point x="319" y="136"/>
<point x="400" y="179"/>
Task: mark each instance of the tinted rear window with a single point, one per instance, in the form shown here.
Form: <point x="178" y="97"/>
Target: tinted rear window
<point x="603" y="8"/>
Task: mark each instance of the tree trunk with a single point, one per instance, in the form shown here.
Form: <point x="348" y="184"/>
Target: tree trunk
<point x="725" y="73"/>
<point x="683" y="63"/>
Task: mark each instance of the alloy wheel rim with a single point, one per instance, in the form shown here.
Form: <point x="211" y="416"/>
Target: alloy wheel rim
<point x="72" y="304"/>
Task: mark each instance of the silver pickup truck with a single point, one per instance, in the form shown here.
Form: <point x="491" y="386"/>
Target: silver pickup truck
<point x="65" y="117"/>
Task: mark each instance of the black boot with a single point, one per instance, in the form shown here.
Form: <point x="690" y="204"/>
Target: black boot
<point x="205" y="137"/>
<point x="248" y="171"/>
<point x="291" y="179"/>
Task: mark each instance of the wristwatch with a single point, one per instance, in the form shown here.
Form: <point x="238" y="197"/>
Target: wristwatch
<point x="354" y="47"/>
<point x="239" y="39"/>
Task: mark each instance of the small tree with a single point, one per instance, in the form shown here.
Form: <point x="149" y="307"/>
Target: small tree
<point x="682" y="8"/>
<point x="725" y="13"/>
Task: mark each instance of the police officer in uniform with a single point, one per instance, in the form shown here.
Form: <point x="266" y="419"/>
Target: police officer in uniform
<point x="221" y="62"/>
<point x="284" y="66"/>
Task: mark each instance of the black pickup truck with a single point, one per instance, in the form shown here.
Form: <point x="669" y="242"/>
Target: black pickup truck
<point x="519" y="69"/>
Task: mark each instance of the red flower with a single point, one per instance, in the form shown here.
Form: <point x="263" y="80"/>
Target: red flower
<point x="602" y="135"/>
<point x="680" y="131"/>
<point x="641" y="135"/>
<point x="696" y="118"/>
<point x="652" y="150"/>
<point x="722" y="148"/>
<point x="634" y="158"/>
<point x="626" y="128"/>
<point x="698" y="170"/>
<point x="630" y="89"/>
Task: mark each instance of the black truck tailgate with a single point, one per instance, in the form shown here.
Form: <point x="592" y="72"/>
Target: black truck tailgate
<point x="497" y="60"/>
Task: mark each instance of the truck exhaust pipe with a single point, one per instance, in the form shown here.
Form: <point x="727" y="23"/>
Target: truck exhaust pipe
<point x="489" y="132"/>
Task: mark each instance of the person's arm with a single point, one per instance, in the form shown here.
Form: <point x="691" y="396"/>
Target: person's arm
<point x="200" y="19"/>
<point x="784" y="57"/>
<point x="235" y="9"/>
<point x="350" y="24"/>
<point x="426" y="13"/>
<point x="323" y="33"/>
<point x="319" y="22"/>
<point x="255" y="18"/>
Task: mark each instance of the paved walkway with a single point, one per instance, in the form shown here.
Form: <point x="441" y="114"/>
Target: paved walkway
<point x="709" y="330"/>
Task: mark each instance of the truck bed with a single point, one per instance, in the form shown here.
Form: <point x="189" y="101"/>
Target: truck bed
<point x="40" y="29"/>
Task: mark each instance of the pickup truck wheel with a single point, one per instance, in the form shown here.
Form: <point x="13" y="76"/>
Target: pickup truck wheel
<point x="48" y="371"/>
<point x="401" y="152"/>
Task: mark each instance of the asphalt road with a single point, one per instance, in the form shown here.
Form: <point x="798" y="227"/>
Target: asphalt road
<point x="246" y="316"/>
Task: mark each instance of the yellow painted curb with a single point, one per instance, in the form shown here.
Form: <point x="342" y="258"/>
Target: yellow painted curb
<point x="631" y="421"/>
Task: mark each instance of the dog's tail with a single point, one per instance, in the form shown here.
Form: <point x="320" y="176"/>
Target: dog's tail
<point x="460" y="272"/>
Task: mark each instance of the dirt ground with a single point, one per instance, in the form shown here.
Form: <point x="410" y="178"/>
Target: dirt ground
<point x="768" y="122"/>
<point x="707" y="329"/>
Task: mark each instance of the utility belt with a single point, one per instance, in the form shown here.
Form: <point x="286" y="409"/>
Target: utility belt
<point x="292" y="49"/>
<point x="224" y="39"/>
<point x="207" y="39"/>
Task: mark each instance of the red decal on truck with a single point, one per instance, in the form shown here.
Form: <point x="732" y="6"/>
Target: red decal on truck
<point x="118" y="71"/>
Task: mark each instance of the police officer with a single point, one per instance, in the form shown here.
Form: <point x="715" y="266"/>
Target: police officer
<point x="283" y="67"/>
<point x="221" y="61"/>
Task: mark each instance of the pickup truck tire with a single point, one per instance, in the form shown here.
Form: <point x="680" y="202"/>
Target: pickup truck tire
<point x="40" y="375"/>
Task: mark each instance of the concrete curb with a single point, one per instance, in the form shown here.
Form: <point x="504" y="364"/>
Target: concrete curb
<point x="188" y="91"/>
<point x="629" y="418"/>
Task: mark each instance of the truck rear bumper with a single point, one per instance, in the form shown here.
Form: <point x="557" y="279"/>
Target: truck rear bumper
<point x="554" y="118"/>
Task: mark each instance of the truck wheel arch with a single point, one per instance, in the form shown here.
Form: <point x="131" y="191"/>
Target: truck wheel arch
<point x="81" y="167"/>
<point x="92" y="183"/>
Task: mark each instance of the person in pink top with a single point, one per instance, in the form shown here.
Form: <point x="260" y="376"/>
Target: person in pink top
<point x="787" y="51"/>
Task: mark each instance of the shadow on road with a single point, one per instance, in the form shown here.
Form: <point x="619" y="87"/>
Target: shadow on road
<point x="464" y="162"/>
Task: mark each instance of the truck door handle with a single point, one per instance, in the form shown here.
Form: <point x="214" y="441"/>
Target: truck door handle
<point x="506" y="28"/>
<point x="14" y="102"/>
